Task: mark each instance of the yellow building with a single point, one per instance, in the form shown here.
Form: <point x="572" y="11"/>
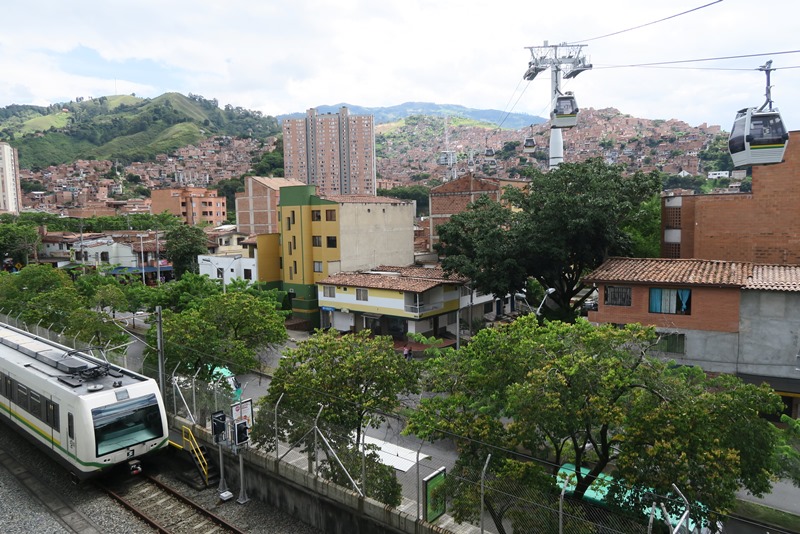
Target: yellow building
<point x="324" y="235"/>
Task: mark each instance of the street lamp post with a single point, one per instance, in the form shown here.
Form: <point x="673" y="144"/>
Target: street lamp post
<point x="141" y="250"/>
<point x="232" y="258"/>
<point x="550" y="291"/>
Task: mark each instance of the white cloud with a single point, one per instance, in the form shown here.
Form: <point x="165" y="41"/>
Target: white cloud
<point x="281" y="57"/>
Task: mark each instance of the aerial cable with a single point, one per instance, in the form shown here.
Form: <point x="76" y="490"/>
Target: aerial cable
<point x="657" y="63"/>
<point x="681" y="68"/>
<point x="508" y="113"/>
<point x="647" y="24"/>
<point x="509" y="101"/>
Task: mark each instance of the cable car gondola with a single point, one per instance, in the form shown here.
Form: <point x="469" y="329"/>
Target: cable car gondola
<point x="757" y="138"/>
<point x="529" y="146"/>
<point x="565" y="111"/>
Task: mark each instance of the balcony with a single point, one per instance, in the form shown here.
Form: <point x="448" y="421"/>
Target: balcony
<point x="423" y="308"/>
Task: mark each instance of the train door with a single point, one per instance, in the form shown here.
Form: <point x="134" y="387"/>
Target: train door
<point x="72" y="447"/>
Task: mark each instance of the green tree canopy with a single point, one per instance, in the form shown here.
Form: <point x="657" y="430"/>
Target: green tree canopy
<point x="357" y="378"/>
<point x="565" y="223"/>
<point x="593" y="395"/>
<point x="18" y="242"/>
<point x="184" y="244"/>
<point x="221" y="330"/>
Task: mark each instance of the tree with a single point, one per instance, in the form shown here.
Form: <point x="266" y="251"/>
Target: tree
<point x="594" y="396"/>
<point x="222" y="330"/>
<point x="565" y="223"/>
<point x="478" y="244"/>
<point x="19" y="242"/>
<point x="184" y="244"/>
<point x="644" y="229"/>
<point x="356" y="377"/>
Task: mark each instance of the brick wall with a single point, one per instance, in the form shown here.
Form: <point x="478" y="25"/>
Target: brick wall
<point x="762" y="227"/>
<point x="713" y="309"/>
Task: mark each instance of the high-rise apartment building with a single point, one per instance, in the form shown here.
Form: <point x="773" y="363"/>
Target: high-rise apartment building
<point x="335" y="152"/>
<point x="10" y="192"/>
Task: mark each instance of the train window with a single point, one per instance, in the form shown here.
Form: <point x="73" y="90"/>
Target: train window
<point x="71" y="426"/>
<point x="126" y="423"/>
<point x="21" y="398"/>
<point x="35" y="404"/>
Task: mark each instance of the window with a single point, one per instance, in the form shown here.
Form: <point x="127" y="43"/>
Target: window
<point x="248" y="274"/>
<point x="317" y="266"/>
<point x="331" y="240"/>
<point x="362" y="294"/>
<point x="293" y="221"/>
<point x="617" y="296"/>
<point x="104" y="256"/>
<point x="676" y="301"/>
<point x="675" y="343"/>
<point x="316" y="240"/>
<point x="329" y="291"/>
<point x="330" y="215"/>
<point x="316" y="215"/>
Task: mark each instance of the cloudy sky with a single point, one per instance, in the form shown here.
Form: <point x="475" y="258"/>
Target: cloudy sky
<point x="288" y="56"/>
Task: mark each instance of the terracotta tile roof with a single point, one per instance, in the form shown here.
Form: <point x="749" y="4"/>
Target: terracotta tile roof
<point x="412" y="279"/>
<point x="774" y="278"/>
<point x="672" y="271"/>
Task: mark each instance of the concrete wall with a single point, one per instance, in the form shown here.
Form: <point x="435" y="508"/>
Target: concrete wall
<point x="770" y="333"/>
<point x="374" y="234"/>
<point x="317" y="502"/>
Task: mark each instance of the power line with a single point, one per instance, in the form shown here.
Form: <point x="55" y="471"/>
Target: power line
<point x="649" y="23"/>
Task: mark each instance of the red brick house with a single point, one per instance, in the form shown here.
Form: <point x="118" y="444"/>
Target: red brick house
<point x="724" y="316"/>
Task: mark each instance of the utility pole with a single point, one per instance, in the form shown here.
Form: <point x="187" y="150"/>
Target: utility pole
<point x="560" y="58"/>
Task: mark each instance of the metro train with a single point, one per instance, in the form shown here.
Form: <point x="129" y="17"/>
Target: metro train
<point x="84" y="412"/>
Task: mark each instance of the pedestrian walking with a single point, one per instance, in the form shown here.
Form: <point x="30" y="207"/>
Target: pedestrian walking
<point x="407" y="352"/>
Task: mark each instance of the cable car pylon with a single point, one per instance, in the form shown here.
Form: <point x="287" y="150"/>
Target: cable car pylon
<point x="566" y="58"/>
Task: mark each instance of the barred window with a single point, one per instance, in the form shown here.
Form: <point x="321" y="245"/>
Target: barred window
<point x="674" y="343"/>
<point x="617" y="296"/>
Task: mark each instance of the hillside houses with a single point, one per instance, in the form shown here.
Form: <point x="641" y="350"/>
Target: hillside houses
<point x="86" y="188"/>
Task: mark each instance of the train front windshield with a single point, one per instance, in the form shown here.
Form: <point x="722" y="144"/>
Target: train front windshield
<point x="123" y="424"/>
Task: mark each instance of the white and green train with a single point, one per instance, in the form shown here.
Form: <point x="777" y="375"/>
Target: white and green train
<point x="84" y="412"/>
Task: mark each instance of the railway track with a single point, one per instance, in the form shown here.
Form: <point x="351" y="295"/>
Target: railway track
<point x="164" y="509"/>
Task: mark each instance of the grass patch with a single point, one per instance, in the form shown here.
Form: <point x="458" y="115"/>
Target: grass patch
<point x="770" y="516"/>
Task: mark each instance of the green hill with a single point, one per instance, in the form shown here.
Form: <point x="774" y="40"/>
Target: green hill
<point x="123" y="128"/>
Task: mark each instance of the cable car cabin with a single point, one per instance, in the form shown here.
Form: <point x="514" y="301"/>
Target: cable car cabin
<point x="565" y="112"/>
<point x="529" y="146"/>
<point x="489" y="152"/>
<point x="757" y="138"/>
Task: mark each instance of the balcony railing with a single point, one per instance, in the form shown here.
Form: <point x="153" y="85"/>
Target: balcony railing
<point x="422" y="308"/>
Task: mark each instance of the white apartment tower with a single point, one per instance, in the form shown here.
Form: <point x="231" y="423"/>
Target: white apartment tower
<point x="335" y="152"/>
<point x="10" y="192"/>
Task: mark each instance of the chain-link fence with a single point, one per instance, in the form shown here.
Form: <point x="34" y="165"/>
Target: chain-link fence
<point x="116" y="355"/>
